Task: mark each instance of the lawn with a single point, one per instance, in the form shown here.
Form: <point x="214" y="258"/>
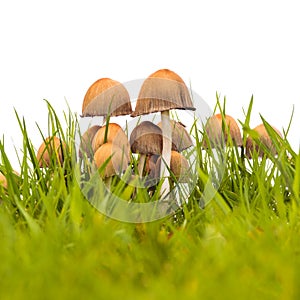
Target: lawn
<point x="241" y="244"/>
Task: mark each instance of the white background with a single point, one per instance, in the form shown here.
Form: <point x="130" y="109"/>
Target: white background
<point x="55" y="50"/>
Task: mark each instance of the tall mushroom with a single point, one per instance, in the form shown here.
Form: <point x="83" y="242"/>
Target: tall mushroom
<point x="106" y="97"/>
<point x="146" y="139"/>
<point x="264" y="139"/>
<point x="163" y="91"/>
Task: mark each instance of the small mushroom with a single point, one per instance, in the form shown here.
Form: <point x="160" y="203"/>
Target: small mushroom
<point x="113" y="155"/>
<point x="264" y="139"/>
<point x="150" y="163"/>
<point x="86" y="141"/>
<point x="181" y="139"/>
<point x="145" y="139"/>
<point x="51" y="148"/>
<point x="3" y="181"/>
<point x="217" y="131"/>
<point x="115" y="135"/>
<point x="106" y="96"/>
<point x="179" y="167"/>
<point x="163" y="91"/>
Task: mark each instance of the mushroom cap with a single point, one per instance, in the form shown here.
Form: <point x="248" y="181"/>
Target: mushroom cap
<point x="51" y="147"/>
<point x="216" y="133"/>
<point x="181" y="139"/>
<point x="146" y="138"/>
<point x="106" y="96"/>
<point x="179" y="166"/>
<point x="86" y="141"/>
<point x="115" y="135"/>
<point x="264" y="138"/>
<point x="3" y="180"/>
<point x="163" y="90"/>
<point x="118" y="162"/>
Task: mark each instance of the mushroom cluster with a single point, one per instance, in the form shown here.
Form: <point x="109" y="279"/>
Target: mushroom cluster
<point x="219" y="127"/>
<point x="146" y="140"/>
<point x="163" y="91"/>
<point x="158" y="146"/>
<point x="107" y="144"/>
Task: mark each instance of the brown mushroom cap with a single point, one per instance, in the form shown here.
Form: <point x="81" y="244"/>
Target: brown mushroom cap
<point x="51" y="147"/>
<point x="115" y="135"/>
<point x="146" y="138"/>
<point x="118" y="162"/>
<point x="216" y="133"/>
<point x="3" y="180"/>
<point x="86" y="141"/>
<point x="179" y="166"/>
<point x="264" y="138"/>
<point x="161" y="91"/>
<point x="181" y="139"/>
<point x="106" y="96"/>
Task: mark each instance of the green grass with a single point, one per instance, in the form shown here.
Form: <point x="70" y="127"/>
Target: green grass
<point x="242" y="244"/>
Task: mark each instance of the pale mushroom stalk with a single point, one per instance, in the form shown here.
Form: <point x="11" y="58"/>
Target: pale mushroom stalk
<point x="166" y="151"/>
<point x="141" y="164"/>
<point x="179" y="169"/>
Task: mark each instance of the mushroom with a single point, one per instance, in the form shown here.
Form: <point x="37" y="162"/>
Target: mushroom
<point x="218" y="134"/>
<point x="162" y="91"/>
<point x="111" y="134"/>
<point x="86" y="141"/>
<point x="50" y="149"/>
<point x="3" y="181"/>
<point x="146" y="139"/>
<point x="106" y="97"/>
<point x="181" y="139"/>
<point x="264" y="139"/>
<point x="150" y="163"/>
<point x="179" y="167"/>
<point x="113" y="155"/>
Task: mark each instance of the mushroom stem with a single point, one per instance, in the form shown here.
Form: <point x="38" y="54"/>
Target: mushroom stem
<point x="141" y="164"/>
<point x="166" y="151"/>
